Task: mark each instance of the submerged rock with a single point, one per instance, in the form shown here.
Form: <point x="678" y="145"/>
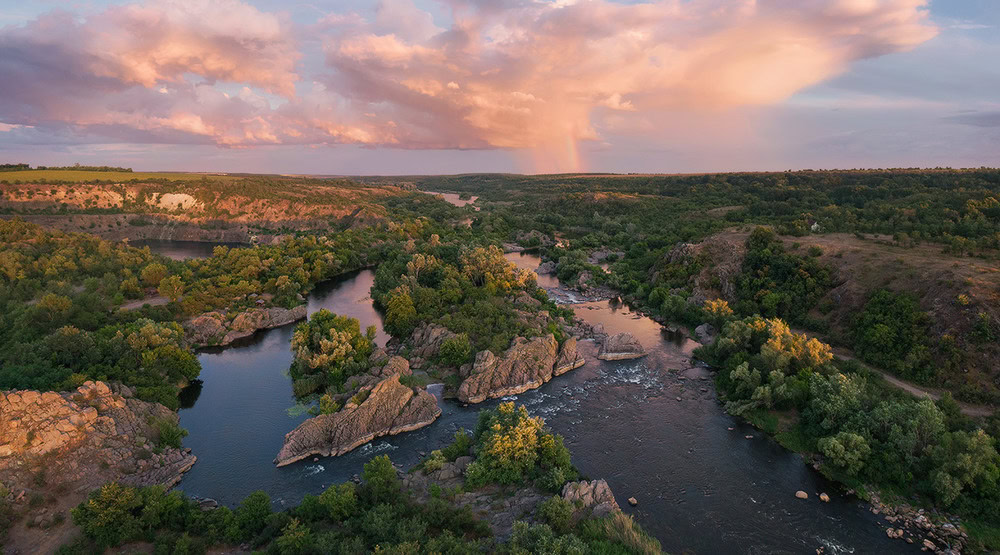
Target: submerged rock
<point x="390" y="408"/>
<point x="621" y="346"/>
<point x="527" y="364"/>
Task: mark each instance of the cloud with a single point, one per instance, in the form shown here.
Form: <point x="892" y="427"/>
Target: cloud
<point x="504" y="74"/>
<point x="976" y="119"/>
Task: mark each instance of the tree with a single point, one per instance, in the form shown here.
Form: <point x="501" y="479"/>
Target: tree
<point x="109" y="515"/>
<point x="381" y="481"/>
<point x="847" y="450"/>
<point x="153" y="273"/>
<point x="171" y="287"/>
<point x="400" y="314"/>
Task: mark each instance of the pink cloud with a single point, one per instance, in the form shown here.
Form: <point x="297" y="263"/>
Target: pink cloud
<point x="511" y="74"/>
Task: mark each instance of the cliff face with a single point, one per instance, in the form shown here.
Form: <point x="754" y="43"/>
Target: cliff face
<point x="527" y="364"/>
<point x="215" y="328"/>
<point x="390" y="408"/>
<point x="85" y="438"/>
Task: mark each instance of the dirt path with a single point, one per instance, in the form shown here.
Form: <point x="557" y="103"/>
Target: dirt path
<point x="976" y="411"/>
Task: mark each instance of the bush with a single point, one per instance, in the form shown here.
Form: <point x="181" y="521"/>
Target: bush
<point x="455" y="351"/>
<point x="381" y="481"/>
<point x="557" y="513"/>
<point x="168" y="432"/>
<point x="459" y="447"/>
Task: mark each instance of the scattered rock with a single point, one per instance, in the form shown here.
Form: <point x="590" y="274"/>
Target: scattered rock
<point x="801" y="494"/>
<point x="633" y="501"/>
<point x="824" y="497"/>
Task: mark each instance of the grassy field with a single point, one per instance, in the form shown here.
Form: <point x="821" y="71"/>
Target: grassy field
<point x="80" y="176"/>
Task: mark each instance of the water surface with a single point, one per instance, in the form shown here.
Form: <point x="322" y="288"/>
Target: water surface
<point x="702" y="486"/>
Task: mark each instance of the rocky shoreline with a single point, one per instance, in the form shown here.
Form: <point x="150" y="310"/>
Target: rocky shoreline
<point x="218" y="329"/>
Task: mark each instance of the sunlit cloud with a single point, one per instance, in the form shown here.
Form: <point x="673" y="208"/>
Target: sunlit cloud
<point x="506" y="74"/>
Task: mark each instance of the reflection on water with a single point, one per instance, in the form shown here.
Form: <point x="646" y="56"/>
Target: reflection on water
<point x="702" y="487"/>
<point x="453" y="198"/>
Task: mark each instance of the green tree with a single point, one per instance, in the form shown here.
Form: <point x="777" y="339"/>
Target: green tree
<point x="847" y="450"/>
<point x="171" y="287"/>
<point x="153" y="273"/>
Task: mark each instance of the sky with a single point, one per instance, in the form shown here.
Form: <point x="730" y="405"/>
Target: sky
<point x="349" y="87"/>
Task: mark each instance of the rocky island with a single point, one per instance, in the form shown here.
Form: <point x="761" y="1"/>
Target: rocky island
<point x="382" y="406"/>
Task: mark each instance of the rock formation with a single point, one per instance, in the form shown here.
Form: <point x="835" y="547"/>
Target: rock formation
<point x="427" y="339"/>
<point x="214" y="328"/>
<point x="569" y="358"/>
<point x="705" y="333"/>
<point x="84" y="438"/>
<point x="595" y="495"/>
<point x="390" y="408"/>
<point x="621" y="346"/>
<point x="527" y="364"/>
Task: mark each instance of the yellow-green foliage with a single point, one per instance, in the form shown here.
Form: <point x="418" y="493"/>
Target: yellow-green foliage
<point x="512" y="447"/>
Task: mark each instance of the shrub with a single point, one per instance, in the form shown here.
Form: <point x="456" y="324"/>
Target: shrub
<point x="168" y="432"/>
<point x="455" y="351"/>
<point x="557" y="513"/>
<point x="381" y="481"/>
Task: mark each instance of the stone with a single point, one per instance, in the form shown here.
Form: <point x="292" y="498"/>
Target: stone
<point x="621" y="346"/>
<point x="824" y="497"/>
<point x="929" y="545"/>
<point x="569" y="358"/>
<point x="633" y="501"/>
<point x="801" y="494"/>
<point x="527" y="364"/>
<point x="426" y="340"/>
<point x="390" y="408"/>
<point x="211" y="328"/>
<point x="705" y="333"/>
<point x="82" y="433"/>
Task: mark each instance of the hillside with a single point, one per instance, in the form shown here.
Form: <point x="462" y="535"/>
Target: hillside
<point x="190" y="206"/>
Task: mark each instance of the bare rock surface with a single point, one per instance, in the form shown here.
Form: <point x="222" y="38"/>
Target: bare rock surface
<point x="427" y="339"/>
<point x="390" y="408"/>
<point x="621" y="346"/>
<point x="595" y="495"/>
<point x="84" y="438"/>
<point x="569" y="358"/>
<point x="215" y="328"/>
<point x="527" y="364"/>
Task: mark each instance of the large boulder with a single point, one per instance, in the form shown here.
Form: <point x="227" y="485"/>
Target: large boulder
<point x="89" y="436"/>
<point x="212" y="328"/>
<point x="595" y="495"/>
<point x="207" y="329"/>
<point x="705" y="333"/>
<point x="621" y="346"/>
<point x="390" y="408"/>
<point x="527" y="364"/>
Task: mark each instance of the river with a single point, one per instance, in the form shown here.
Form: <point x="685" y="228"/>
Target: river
<point x="702" y="486"/>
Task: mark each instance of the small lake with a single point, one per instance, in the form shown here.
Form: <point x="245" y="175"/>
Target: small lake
<point x="702" y="486"/>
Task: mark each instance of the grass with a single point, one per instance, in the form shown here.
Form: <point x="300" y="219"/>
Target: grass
<point x="79" y="176"/>
<point x="987" y="534"/>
